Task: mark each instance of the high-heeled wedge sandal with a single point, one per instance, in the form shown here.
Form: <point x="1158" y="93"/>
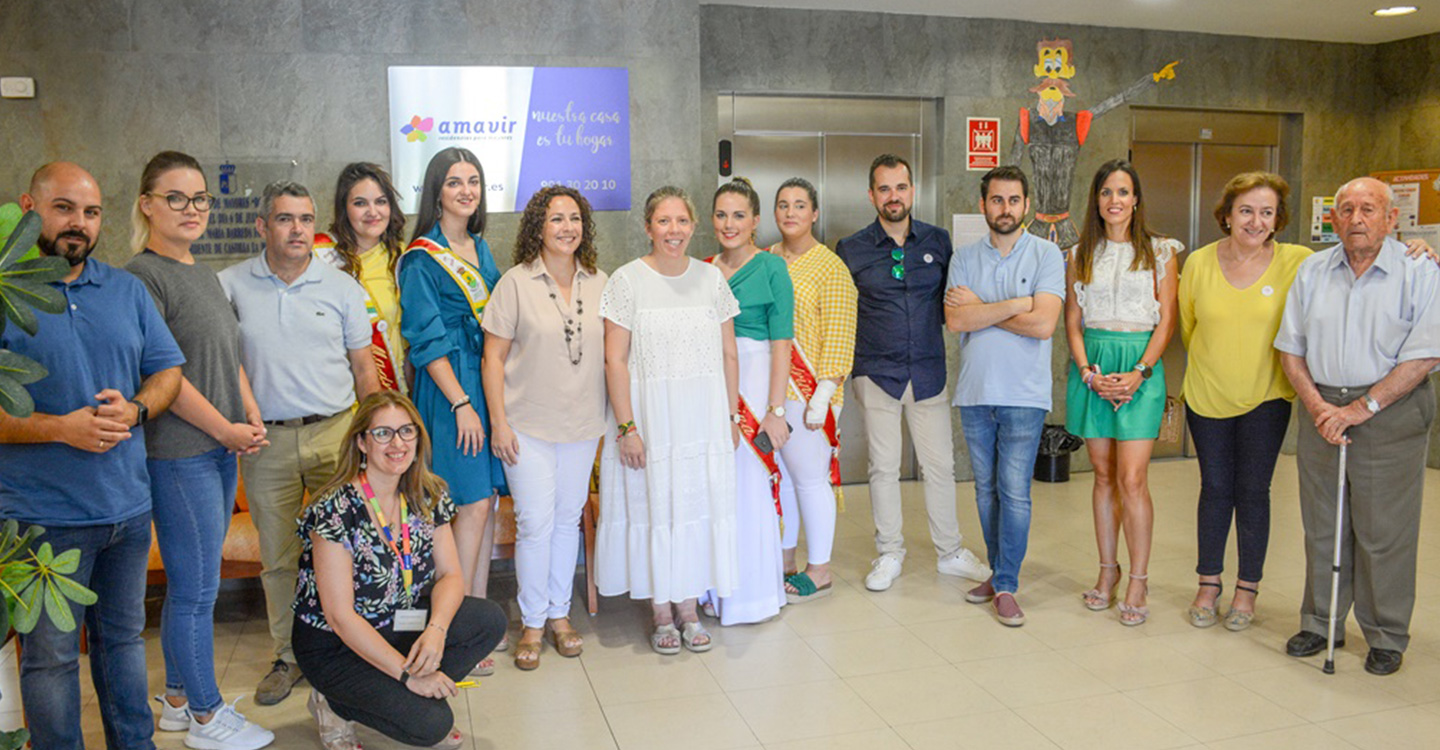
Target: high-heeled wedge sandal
<point x="1097" y="600"/>
<point x="527" y="652"/>
<point x="1235" y="620"/>
<point x="567" y="640"/>
<point x="1131" y="616"/>
<point x="1204" y="617"/>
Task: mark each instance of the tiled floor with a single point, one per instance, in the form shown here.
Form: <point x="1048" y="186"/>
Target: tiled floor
<point x="917" y="667"/>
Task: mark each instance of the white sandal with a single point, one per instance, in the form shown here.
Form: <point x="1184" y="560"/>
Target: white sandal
<point x="695" y="630"/>
<point x="663" y="633"/>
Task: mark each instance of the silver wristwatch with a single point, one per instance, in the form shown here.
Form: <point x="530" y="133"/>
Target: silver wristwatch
<point x="1371" y="404"/>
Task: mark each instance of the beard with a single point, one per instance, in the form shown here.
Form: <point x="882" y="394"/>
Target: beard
<point x="62" y="246"/>
<point x="894" y="212"/>
<point x="1005" y="224"/>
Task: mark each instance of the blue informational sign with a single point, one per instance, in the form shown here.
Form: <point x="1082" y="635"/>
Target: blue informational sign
<point x="529" y="127"/>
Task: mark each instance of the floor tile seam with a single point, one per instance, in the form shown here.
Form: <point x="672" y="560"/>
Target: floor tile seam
<point x="1121" y="690"/>
<point x="604" y="715"/>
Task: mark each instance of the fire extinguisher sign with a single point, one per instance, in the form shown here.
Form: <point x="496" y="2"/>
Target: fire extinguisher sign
<point x="982" y="143"/>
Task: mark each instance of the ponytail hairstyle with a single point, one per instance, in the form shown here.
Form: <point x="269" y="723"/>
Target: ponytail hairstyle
<point x="158" y="165"/>
<point x="659" y="195"/>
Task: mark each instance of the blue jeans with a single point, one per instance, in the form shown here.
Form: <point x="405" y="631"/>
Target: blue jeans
<point x="1002" y="441"/>
<point x="194" y="498"/>
<point x="112" y="564"/>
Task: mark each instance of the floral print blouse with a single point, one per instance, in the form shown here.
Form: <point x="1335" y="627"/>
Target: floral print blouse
<point x="340" y="516"/>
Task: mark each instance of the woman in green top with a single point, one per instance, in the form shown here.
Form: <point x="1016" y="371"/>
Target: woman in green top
<point x="763" y="332"/>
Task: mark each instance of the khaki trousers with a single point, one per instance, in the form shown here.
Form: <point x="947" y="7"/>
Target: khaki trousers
<point x="299" y="460"/>
<point x="934" y="441"/>
<point x="1385" y="475"/>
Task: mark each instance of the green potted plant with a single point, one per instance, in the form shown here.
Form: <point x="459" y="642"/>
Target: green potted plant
<point x="32" y="581"/>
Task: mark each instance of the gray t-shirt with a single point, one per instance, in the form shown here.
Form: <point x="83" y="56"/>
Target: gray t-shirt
<point x="202" y="321"/>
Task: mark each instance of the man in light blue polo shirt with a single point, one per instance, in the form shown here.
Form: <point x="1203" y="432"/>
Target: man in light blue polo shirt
<point x="1004" y="297"/>
<point x="305" y="343"/>
<point x="76" y="466"/>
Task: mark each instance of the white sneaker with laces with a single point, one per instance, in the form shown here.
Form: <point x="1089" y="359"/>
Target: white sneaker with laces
<point x="173" y="718"/>
<point x="883" y="571"/>
<point x="227" y="729"/>
<point x="964" y="564"/>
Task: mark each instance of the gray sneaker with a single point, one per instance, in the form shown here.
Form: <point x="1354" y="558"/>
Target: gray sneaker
<point x="276" y="685"/>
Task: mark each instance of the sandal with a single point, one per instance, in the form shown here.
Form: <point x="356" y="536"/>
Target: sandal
<point x="504" y="644"/>
<point x="1098" y="601"/>
<point x="335" y="733"/>
<point x="1204" y="617"/>
<point x="1235" y="620"/>
<point x="805" y="588"/>
<point x="665" y="634"/>
<point x="527" y="652"/>
<point x="454" y="740"/>
<point x="567" y="640"/>
<point x="485" y="668"/>
<point x="1131" y="615"/>
<point x="693" y="632"/>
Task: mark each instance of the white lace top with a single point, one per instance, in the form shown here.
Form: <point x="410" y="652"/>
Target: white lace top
<point x="1117" y="298"/>
<point x="674" y="321"/>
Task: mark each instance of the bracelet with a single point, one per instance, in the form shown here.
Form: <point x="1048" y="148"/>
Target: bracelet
<point x="404" y="676"/>
<point x="438" y="627"/>
<point x="454" y="407"/>
<point x="624" y="429"/>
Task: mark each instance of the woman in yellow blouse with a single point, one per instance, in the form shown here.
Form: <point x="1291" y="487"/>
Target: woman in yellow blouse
<point x="1232" y="295"/>
<point x="366" y="237"/>
<point x="824" y="349"/>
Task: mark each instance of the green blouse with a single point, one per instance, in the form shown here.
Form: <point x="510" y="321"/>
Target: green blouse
<point x="767" y="300"/>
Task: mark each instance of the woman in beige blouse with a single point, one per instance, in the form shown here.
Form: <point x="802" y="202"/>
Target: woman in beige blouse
<point x="544" y="377"/>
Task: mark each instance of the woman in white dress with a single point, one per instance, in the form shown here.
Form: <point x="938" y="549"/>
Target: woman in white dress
<point x="667" y="477"/>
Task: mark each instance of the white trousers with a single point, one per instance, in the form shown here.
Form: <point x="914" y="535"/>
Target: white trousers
<point x="549" y="484"/>
<point x="805" y="492"/>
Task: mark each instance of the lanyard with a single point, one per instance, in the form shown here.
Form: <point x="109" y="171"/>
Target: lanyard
<point x="406" y="566"/>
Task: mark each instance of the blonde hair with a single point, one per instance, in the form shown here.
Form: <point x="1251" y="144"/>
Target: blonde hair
<point x="163" y="162"/>
<point x="421" y="487"/>
<point x="661" y="193"/>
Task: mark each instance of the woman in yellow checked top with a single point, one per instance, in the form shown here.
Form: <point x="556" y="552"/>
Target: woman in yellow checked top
<point x="367" y="235"/>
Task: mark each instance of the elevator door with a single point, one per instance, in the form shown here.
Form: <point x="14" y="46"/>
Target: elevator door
<point x="1184" y="159"/>
<point x="830" y="142"/>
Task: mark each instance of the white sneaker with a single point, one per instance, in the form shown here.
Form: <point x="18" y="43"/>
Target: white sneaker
<point x="227" y="729"/>
<point x="964" y="564"/>
<point x="883" y="571"/>
<point x="173" y="718"/>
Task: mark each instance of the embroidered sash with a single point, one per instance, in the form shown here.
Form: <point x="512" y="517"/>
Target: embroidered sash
<point x="380" y="345"/>
<point x="463" y="274"/>
<point x="802" y="376"/>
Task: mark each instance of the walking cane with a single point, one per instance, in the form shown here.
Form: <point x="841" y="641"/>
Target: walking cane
<point x="1335" y="567"/>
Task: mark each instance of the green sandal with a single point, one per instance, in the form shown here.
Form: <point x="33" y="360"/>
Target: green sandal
<point x="805" y="589"/>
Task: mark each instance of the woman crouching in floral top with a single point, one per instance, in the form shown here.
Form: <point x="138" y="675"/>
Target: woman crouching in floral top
<point x="383" y="628"/>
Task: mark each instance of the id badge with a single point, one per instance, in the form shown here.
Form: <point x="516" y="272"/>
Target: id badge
<point x="410" y="620"/>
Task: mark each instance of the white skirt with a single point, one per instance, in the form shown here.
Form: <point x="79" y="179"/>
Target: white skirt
<point x="760" y="590"/>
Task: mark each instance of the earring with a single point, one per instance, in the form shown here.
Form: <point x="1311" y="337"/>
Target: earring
<point x="362" y="461"/>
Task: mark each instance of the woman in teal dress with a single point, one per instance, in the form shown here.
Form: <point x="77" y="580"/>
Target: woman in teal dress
<point x="764" y="331"/>
<point x="445" y="279"/>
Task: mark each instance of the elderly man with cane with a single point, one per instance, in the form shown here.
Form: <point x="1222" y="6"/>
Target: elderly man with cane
<point x="1360" y="335"/>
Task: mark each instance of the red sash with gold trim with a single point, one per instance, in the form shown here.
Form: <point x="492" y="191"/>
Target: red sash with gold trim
<point x="802" y="376"/>
<point x="379" y="333"/>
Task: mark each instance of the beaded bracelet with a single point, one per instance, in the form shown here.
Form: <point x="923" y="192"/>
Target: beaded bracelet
<point x="624" y="429"/>
<point x="459" y="403"/>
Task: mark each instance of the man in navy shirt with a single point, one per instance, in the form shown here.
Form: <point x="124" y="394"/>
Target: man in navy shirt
<point x="899" y="265"/>
<point x="77" y="466"/>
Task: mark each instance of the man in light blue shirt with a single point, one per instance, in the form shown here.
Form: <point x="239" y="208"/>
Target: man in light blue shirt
<point x="1004" y="297"/>
<point x="1359" y="337"/>
<point x="305" y="343"/>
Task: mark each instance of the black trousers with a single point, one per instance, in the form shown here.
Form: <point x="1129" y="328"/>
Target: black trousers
<point x="359" y="692"/>
<point x="1237" y="461"/>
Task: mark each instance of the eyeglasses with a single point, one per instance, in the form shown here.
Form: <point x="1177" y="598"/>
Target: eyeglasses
<point x="383" y="435"/>
<point x="178" y="201"/>
<point x="898" y="270"/>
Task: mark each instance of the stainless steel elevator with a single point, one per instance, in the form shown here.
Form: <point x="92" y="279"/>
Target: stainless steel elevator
<point x="831" y="141"/>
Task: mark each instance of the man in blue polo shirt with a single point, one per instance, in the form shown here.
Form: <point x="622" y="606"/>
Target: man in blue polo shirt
<point x="305" y="343"/>
<point x="1005" y="296"/>
<point x="76" y="466"/>
<point x="899" y="266"/>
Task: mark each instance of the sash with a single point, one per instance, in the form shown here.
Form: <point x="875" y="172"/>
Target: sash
<point x="379" y="327"/>
<point x="802" y="376"/>
<point x="749" y="428"/>
<point x="463" y="274"/>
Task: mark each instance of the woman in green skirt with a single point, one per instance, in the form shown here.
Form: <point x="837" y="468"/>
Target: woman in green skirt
<point x="1120" y="312"/>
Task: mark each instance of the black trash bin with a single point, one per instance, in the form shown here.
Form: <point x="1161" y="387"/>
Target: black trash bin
<point x="1052" y="460"/>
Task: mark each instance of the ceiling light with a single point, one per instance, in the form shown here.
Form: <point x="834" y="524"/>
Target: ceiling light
<point x="1395" y="10"/>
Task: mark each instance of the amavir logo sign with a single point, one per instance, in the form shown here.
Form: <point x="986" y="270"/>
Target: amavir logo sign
<point x="418" y="127"/>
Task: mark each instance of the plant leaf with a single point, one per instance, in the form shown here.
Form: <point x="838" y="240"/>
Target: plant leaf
<point x="56" y="607"/>
<point x="14" y="308"/>
<point x="66" y="563"/>
<point x="28" y="613"/>
<point x="42" y="297"/>
<point x="20" y="241"/>
<point x="42" y="270"/>
<point x="74" y="591"/>
<point x="14" y="399"/>
<point x="20" y="367"/>
<point x="44" y="556"/>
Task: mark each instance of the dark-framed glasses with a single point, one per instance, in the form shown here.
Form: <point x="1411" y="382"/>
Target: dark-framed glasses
<point x="178" y="201"/>
<point x="898" y="270"/>
<point x="383" y="435"/>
